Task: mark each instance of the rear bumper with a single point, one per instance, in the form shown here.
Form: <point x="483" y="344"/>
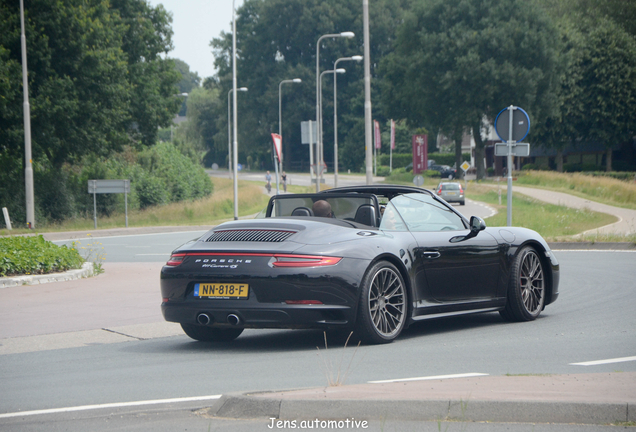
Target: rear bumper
<point x="260" y="315"/>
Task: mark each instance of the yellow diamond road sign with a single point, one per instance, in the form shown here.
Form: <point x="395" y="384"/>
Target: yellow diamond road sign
<point x="465" y="166"/>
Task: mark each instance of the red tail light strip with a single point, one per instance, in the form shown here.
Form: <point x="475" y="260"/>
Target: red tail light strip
<point x="281" y="260"/>
<point x="175" y="259"/>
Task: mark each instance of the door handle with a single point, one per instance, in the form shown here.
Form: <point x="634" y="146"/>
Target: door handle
<point x="431" y="255"/>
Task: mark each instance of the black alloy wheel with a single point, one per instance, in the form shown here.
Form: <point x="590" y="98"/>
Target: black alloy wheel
<point x="526" y="287"/>
<point x="383" y="304"/>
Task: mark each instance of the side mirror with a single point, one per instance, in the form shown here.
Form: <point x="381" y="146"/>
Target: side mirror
<point x="476" y="224"/>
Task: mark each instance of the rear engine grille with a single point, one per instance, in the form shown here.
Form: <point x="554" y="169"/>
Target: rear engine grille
<point x="270" y="236"/>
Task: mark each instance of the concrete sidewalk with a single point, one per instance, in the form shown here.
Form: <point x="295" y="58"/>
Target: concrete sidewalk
<point x="580" y="399"/>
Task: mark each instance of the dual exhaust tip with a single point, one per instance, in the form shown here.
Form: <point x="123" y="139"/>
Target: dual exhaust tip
<point x="204" y="319"/>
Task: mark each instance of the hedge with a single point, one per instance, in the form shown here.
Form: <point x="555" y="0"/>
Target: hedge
<point x="401" y="160"/>
<point x="34" y="255"/>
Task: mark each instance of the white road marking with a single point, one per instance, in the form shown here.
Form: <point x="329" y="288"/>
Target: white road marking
<point x="465" y="375"/>
<point x="128" y="235"/>
<point x="608" y="361"/>
<point x="109" y="405"/>
<point x="594" y="250"/>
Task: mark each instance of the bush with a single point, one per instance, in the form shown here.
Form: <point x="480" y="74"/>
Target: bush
<point x="383" y="171"/>
<point x="403" y="159"/>
<point x="151" y="191"/>
<point x="158" y="174"/>
<point x="400" y="160"/>
<point x="34" y="255"/>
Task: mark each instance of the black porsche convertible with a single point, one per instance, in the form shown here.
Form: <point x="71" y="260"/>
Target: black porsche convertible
<point x="372" y="259"/>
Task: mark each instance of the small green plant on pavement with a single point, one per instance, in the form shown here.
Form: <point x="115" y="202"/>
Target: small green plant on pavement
<point x="92" y="251"/>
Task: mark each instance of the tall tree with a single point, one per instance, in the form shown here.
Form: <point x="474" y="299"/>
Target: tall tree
<point x="77" y="79"/>
<point x="459" y="62"/>
<point x="146" y="38"/>
<point x="598" y="86"/>
<point x="608" y="86"/>
<point x="276" y="40"/>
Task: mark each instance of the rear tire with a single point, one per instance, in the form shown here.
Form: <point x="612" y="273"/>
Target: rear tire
<point x="383" y="304"/>
<point x="526" y="287"/>
<point x="211" y="334"/>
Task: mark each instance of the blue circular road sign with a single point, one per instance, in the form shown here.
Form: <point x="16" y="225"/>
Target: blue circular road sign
<point x="520" y="124"/>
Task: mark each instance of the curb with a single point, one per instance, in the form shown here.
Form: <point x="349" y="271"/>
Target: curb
<point x="592" y="246"/>
<point x="84" y="272"/>
<point x="249" y="405"/>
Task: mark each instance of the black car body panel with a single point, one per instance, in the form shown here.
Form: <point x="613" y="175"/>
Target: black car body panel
<point x="309" y="272"/>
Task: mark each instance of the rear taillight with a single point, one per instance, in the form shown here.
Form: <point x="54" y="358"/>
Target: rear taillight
<point x="303" y="261"/>
<point x="461" y="191"/>
<point x="176" y="259"/>
<point x="439" y="192"/>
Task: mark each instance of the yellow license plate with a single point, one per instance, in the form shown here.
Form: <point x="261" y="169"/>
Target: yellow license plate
<point x="217" y="290"/>
<point x="450" y="193"/>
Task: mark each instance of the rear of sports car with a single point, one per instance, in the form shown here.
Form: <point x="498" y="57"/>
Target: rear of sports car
<point x="273" y="275"/>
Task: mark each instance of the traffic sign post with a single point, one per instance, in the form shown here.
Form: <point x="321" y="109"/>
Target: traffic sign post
<point x="465" y="166"/>
<point x="108" y="186"/>
<point x="512" y="125"/>
<point x="309" y="135"/>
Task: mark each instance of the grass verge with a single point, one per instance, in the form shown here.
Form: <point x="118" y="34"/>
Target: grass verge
<point x="549" y="220"/>
<point x="605" y="190"/>
<point x="206" y="211"/>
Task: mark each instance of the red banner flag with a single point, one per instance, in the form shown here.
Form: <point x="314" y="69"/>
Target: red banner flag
<point x="378" y="138"/>
<point x="420" y="153"/>
<point x="392" y="134"/>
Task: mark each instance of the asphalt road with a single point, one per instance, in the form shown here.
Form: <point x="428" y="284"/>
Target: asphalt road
<point x="594" y="319"/>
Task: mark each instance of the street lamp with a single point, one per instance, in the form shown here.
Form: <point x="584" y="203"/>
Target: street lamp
<point x="356" y="58"/>
<point x="235" y="152"/>
<point x="280" y="121"/>
<point x="229" y="132"/>
<point x="28" y="158"/>
<point x="319" y="143"/>
<point x="334" y="72"/>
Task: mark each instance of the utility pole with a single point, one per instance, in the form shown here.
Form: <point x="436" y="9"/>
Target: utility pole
<point x="28" y="159"/>
<point x="368" y="125"/>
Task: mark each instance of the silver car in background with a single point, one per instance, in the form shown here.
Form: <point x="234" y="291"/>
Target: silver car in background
<point x="451" y="192"/>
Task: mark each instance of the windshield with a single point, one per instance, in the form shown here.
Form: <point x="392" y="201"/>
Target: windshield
<point x="419" y="212"/>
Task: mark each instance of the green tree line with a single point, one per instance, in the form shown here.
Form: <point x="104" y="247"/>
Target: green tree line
<point x="100" y="85"/>
<point x="444" y="66"/>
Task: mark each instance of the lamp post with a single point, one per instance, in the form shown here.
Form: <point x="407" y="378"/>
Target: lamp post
<point x="368" y="119"/>
<point x="235" y="149"/>
<point x="334" y="72"/>
<point x="28" y="159"/>
<point x="319" y="134"/>
<point x="280" y="121"/>
<point x="356" y="58"/>
<point x="229" y="131"/>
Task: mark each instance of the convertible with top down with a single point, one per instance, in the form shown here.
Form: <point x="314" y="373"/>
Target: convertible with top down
<point x="372" y="259"/>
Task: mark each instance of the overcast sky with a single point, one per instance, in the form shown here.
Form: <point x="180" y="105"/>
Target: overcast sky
<point x="195" y="23"/>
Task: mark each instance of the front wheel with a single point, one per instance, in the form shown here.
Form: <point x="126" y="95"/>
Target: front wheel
<point x="526" y="287"/>
<point x="211" y="334"/>
<point x="383" y="304"/>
